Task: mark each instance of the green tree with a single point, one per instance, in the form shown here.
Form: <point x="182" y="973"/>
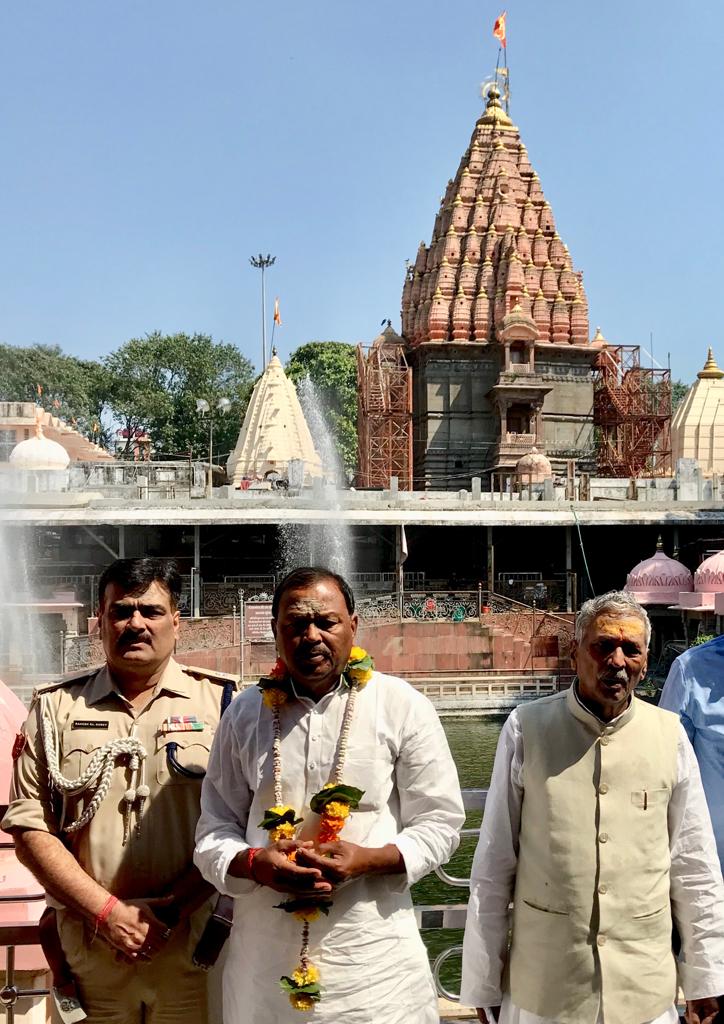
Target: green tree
<point x="679" y="391"/>
<point x="71" y="388"/>
<point x="153" y="384"/>
<point x="332" y="367"/>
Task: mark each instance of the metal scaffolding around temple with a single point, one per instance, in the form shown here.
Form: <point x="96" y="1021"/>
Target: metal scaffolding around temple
<point x="384" y="413"/>
<point x="495" y="349"/>
<point x="632" y="411"/>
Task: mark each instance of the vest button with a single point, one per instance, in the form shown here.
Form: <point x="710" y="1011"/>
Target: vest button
<point x="603" y="788"/>
<point x="603" y="889"/>
<point x="603" y="838"/>
<point x="601" y="940"/>
<point x="605" y="740"/>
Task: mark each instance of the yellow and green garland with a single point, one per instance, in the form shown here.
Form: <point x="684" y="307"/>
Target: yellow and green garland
<point x="333" y="804"/>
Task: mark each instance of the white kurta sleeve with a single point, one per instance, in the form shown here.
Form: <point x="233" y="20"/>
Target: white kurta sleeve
<point x="697" y="890"/>
<point x="431" y="805"/>
<point x="225" y="802"/>
<point x="492" y="878"/>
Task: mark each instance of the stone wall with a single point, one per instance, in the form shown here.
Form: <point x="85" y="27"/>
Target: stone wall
<point x="502" y="642"/>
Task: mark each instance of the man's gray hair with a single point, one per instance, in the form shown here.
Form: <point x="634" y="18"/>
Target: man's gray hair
<point x="615" y="602"/>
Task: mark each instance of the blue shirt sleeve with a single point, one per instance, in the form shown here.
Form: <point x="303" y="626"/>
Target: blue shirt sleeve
<point x="676" y="696"/>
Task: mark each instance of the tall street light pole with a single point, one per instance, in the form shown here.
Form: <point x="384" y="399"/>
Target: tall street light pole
<point x="204" y="409"/>
<point x="262" y="263"/>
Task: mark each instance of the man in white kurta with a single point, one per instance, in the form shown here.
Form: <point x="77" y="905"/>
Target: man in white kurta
<point x="623" y="843"/>
<point x="372" y="962"/>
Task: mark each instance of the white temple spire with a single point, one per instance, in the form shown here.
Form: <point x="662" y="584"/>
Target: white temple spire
<point x="273" y="433"/>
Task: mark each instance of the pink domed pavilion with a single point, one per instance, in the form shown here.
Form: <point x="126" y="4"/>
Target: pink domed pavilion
<point x="659" y="579"/>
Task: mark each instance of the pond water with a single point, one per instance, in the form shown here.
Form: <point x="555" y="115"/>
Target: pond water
<point x="473" y="743"/>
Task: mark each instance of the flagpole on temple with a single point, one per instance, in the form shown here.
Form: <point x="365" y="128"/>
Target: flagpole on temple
<point x="500" y="33"/>
<point x="276" y="320"/>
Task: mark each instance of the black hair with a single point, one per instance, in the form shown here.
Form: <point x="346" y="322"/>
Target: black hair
<point x="305" y="576"/>
<point x="134" y="575"/>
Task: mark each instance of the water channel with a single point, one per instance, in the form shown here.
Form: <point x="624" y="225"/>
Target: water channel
<point x="473" y="743"/>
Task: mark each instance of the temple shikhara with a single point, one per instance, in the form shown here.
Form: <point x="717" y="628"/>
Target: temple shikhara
<point x="495" y="332"/>
<point x="274" y="435"/>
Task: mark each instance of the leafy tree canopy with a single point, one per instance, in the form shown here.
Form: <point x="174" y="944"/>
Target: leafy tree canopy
<point x="678" y="393"/>
<point x="67" y="387"/>
<point x="149" y="385"/>
<point x="154" y="383"/>
<point x="332" y="367"/>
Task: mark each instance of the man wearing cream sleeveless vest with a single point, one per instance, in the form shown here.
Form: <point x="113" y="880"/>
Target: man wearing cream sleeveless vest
<point x="596" y="829"/>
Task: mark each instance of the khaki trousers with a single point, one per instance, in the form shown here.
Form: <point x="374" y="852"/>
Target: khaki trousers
<point x="165" y="990"/>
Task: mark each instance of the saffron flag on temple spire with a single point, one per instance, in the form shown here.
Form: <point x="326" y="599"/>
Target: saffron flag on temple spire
<point x="499" y="28"/>
<point x="277" y="314"/>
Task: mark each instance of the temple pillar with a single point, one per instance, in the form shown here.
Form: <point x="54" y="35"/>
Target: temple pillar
<point x="538" y="421"/>
<point x="503" y="407"/>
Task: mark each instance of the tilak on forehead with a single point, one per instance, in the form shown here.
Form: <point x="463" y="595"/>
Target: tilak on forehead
<point x="619" y="625"/>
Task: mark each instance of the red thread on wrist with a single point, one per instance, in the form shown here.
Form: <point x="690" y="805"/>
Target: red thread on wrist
<point x="105" y="911"/>
<point x="250" y="855"/>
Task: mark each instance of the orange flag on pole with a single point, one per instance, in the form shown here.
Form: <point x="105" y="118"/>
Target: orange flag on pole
<point x="499" y="28"/>
<point x="277" y="314"/>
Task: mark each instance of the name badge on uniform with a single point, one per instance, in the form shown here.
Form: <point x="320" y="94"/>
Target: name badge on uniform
<point x="89" y="723"/>
<point x="181" y="723"/>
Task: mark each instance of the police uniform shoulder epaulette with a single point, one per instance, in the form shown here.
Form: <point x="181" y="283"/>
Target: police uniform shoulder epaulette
<point x="214" y="676"/>
<point x="66" y="680"/>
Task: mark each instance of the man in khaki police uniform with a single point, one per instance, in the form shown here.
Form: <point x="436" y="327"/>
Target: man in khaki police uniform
<point x="105" y="800"/>
<point x="597" y="829"/>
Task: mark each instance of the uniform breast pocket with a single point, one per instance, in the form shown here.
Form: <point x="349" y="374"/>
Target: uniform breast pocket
<point x="182" y="757"/>
<point x="78" y="752"/>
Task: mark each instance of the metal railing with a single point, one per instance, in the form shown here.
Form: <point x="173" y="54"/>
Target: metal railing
<point x="12" y="935"/>
<point x="540" y="684"/>
<point x="450" y="915"/>
<point x="421" y="606"/>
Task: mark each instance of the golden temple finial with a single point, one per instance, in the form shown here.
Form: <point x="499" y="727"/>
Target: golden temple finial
<point x="711" y="371"/>
<point x="494" y="113"/>
<point x="39" y="421"/>
<point x="659" y="543"/>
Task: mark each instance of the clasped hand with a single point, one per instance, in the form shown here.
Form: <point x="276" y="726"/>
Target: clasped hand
<point x="133" y="929"/>
<point x="702" y="1011"/>
<point x="314" y="870"/>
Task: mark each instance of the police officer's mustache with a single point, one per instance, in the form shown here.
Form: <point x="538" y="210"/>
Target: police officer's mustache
<point x="129" y="638"/>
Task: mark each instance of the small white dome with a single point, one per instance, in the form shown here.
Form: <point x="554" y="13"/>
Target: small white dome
<point x="39" y="453"/>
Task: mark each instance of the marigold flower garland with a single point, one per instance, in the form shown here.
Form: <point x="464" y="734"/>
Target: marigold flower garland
<point x="333" y="804"/>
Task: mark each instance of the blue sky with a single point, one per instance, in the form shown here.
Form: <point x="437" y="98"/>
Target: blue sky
<point x="149" y="147"/>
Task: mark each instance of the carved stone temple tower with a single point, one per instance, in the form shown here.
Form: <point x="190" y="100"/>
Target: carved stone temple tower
<point x="495" y="322"/>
